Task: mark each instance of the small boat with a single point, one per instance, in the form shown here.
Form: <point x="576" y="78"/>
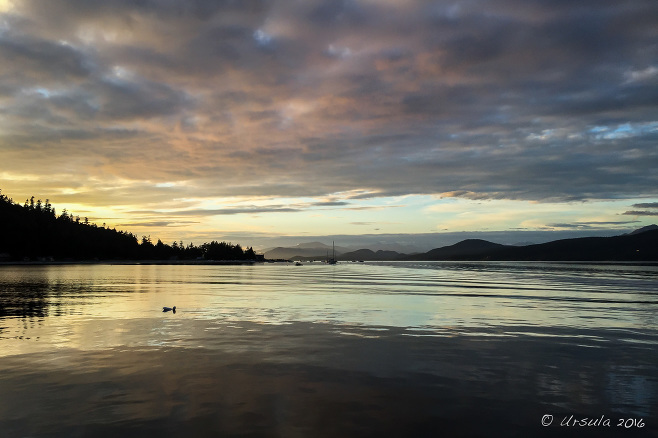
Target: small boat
<point x="298" y="264"/>
<point x="332" y="260"/>
<point x="169" y="309"/>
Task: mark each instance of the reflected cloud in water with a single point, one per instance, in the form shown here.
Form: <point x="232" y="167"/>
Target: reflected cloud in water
<point x="309" y="379"/>
<point x="364" y="350"/>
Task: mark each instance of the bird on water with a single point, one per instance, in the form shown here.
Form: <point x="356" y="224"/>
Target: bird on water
<point x="167" y="309"/>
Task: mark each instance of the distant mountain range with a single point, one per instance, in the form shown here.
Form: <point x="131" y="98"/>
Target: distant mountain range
<point x="303" y="251"/>
<point x="639" y="245"/>
<point x="643" y="229"/>
<point x="466" y="248"/>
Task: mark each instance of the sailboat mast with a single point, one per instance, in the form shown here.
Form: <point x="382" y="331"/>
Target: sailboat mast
<point x="332" y="260"/>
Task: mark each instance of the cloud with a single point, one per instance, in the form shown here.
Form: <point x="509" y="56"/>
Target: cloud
<point x="646" y="74"/>
<point x="43" y="60"/>
<point x="255" y="209"/>
<point x="542" y="100"/>
<point x="641" y="213"/>
<point x="153" y="224"/>
<point x="646" y="205"/>
<point x="593" y="225"/>
<point x="472" y="195"/>
<point x="330" y="204"/>
<point x="237" y="210"/>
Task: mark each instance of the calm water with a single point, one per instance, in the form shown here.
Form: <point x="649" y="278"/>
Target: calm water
<point x="357" y="349"/>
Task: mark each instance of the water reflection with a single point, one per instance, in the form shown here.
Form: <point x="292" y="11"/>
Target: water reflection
<point x="363" y="350"/>
<point x="25" y="300"/>
<point x="432" y="296"/>
<point x="309" y="379"/>
<point x="632" y="389"/>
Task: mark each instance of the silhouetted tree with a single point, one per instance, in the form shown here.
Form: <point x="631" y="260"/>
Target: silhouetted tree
<point x="34" y="230"/>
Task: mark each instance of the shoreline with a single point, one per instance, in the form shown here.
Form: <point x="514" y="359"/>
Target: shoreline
<point x="254" y="262"/>
<point x="128" y="262"/>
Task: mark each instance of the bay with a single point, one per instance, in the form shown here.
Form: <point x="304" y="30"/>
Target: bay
<point x="354" y="349"/>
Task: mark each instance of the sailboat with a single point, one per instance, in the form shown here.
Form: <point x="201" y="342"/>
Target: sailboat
<point x="332" y="260"/>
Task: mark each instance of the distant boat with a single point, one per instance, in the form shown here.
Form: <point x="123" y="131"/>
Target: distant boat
<point x="332" y="260"/>
<point x="169" y="309"/>
<point x="298" y="264"/>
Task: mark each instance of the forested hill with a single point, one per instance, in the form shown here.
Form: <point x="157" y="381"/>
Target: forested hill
<point x="641" y="245"/>
<point x="33" y="231"/>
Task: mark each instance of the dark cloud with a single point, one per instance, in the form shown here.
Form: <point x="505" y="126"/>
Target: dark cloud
<point x="475" y="196"/>
<point x="593" y="225"/>
<point x="646" y="205"/>
<point x="249" y="209"/>
<point x="641" y="213"/>
<point x="347" y="13"/>
<point x="151" y="224"/>
<point x="330" y="204"/>
<point x="237" y="210"/>
<point x="136" y="98"/>
<point x="29" y="57"/>
<point x="536" y="100"/>
<point x="72" y="12"/>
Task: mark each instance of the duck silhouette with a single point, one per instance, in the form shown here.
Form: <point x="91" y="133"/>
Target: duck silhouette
<point x="167" y="309"/>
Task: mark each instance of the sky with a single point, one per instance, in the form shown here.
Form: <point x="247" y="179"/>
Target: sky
<point x="204" y="120"/>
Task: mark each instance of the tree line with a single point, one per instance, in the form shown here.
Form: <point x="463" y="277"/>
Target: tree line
<point x="34" y="231"/>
